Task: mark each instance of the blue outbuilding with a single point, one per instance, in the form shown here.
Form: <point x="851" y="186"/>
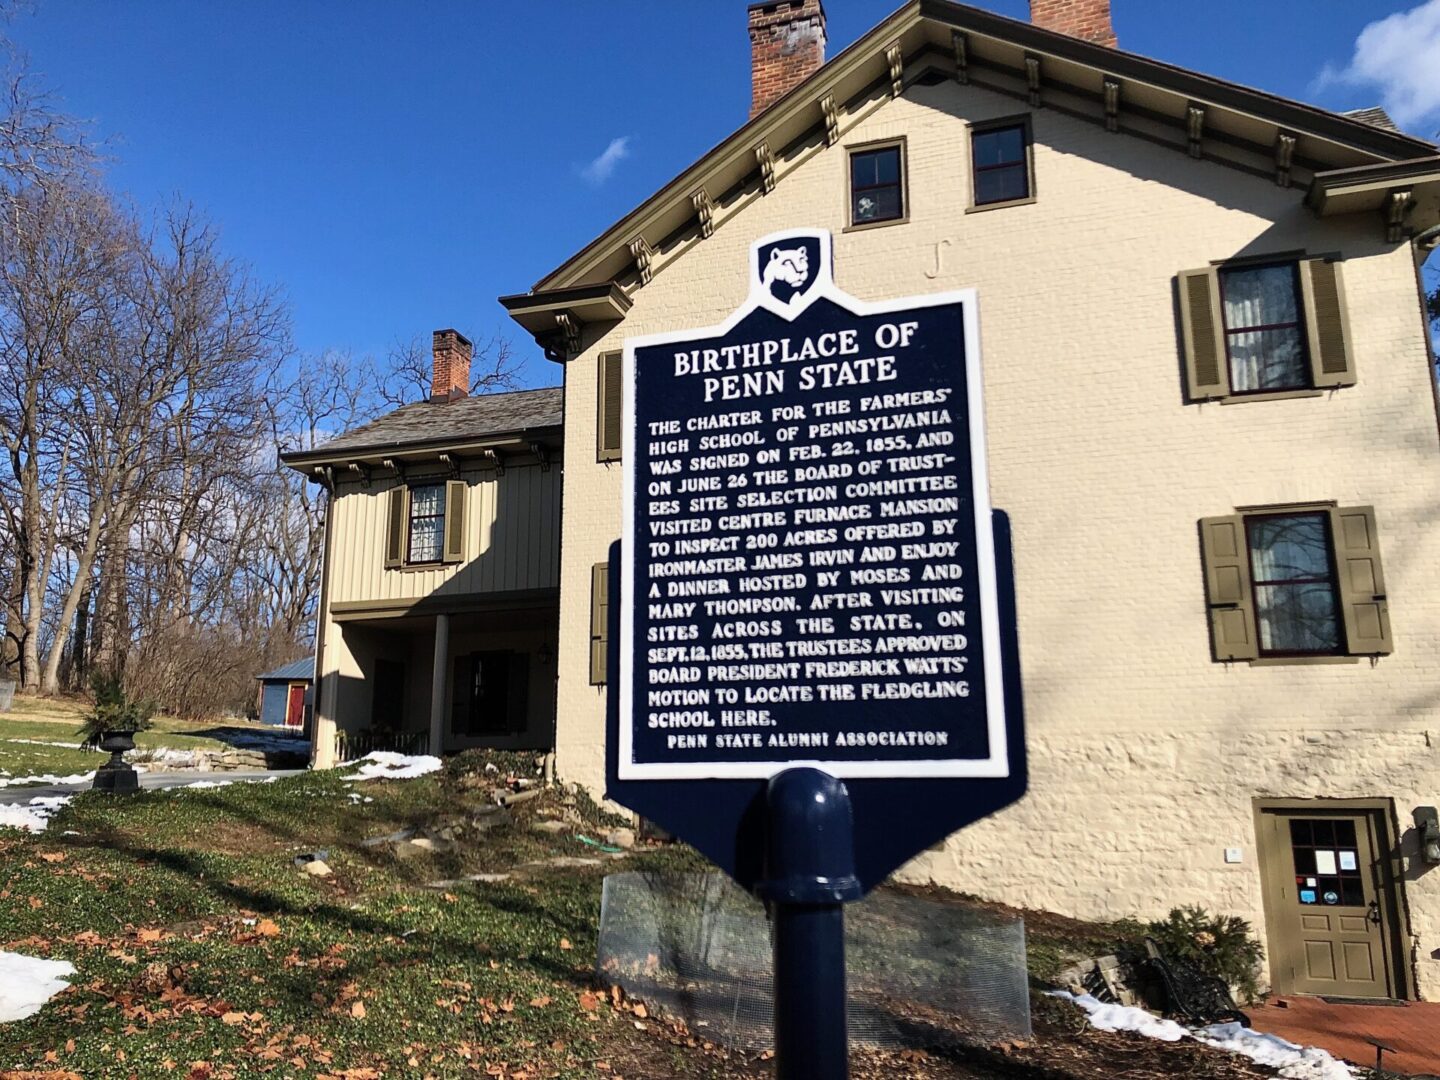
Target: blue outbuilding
<point x="286" y="694"/>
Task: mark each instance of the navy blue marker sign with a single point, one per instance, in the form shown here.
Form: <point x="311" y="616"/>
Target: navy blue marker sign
<point x="809" y="572"/>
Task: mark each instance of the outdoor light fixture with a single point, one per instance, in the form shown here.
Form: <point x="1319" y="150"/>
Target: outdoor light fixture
<point x="1427" y="824"/>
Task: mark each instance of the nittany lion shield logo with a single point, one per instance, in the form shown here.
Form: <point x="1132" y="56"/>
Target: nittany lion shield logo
<point x="790" y="266"/>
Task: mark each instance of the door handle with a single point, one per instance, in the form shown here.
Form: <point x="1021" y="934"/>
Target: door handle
<point x="1373" y="915"/>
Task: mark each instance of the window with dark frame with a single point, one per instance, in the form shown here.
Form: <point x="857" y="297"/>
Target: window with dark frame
<point x="1327" y="862"/>
<point x="1000" y="162"/>
<point x="876" y="186"/>
<point x="427" y="524"/>
<point x="1261" y="312"/>
<point x="1292" y="573"/>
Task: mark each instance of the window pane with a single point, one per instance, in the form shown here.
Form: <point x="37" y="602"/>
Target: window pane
<point x="1001" y="185"/>
<point x="427" y="500"/>
<point x="1287" y="548"/>
<point x="1299" y="831"/>
<point x="887" y="166"/>
<point x="1345" y="834"/>
<point x="1267" y="360"/>
<point x="1297" y="618"/>
<point x="1001" y="146"/>
<point x="1263" y="296"/>
<point x="877" y="204"/>
<point x="875" y="167"/>
<point x="425" y="539"/>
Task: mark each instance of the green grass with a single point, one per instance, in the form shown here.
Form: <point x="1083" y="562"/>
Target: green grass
<point x="195" y="939"/>
<point x="57" y="720"/>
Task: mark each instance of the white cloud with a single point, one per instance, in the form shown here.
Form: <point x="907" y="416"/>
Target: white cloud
<point x="1399" y="54"/>
<point x="599" y="170"/>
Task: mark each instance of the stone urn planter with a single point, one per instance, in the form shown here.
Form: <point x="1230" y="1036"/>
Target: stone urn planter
<point x="117" y="776"/>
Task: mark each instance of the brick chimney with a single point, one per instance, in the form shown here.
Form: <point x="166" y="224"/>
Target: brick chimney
<point x="1088" y="20"/>
<point x="787" y="46"/>
<point x="452" y="352"/>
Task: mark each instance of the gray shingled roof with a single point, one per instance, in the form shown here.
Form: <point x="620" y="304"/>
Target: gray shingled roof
<point x="1374" y="115"/>
<point x="304" y="668"/>
<point x="468" y="418"/>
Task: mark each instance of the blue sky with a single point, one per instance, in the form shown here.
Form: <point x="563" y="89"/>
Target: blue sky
<point x="393" y="167"/>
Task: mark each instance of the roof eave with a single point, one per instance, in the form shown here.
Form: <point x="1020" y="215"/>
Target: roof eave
<point x="304" y="461"/>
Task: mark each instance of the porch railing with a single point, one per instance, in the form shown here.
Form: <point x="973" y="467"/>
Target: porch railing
<point x="350" y="745"/>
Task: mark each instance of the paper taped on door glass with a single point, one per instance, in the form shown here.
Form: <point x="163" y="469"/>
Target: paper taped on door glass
<point x="1325" y="862"/>
<point x="1347" y="860"/>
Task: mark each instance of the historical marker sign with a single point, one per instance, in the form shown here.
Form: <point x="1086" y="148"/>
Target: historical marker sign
<point x="809" y="568"/>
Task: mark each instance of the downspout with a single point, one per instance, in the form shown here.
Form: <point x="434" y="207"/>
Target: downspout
<point x="322" y="617"/>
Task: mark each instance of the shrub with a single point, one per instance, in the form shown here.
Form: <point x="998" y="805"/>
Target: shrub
<point x="113" y="710"/>
<point x="1221" y="945"/>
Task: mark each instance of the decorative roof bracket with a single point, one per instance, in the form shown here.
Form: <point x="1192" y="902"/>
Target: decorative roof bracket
<point x="832" y="119"/>
<point x="494" y="460"/>
<point x="542" y="455"/>
<point x="1284" y="155"/>
<point x="325" y="478"/>
<point x="451" y="463"/>
<point x="569" y="327"/>
<point x="961" y="46"/>
<point x="644" y="256"/>
<point x="896" y="59"/>
<point x="360" y="469"/>
<point x="705" y="211"/>
<point x="397" y="468"/>
<point x="766" y="161"/>
<point x="1397" y="208"/>
<point x="1032" y="79"/>
<point x="1194" y="127"/>
<point x="1112" y="104"/>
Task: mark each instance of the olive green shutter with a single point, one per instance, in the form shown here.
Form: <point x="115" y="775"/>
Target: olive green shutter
<point x="607" y="432"/>
<point x="1362" y="581"/>
<point x="1203" y="335"/>
<point x="599" y="621"/>
<point x="1327" y="325"/>
<point x="1227" y="587"/>
<point x="455" y="520"/>
<point x="395" y="527"/>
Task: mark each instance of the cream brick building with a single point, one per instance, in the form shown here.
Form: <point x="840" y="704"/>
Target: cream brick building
<point x="1141" y="436"/>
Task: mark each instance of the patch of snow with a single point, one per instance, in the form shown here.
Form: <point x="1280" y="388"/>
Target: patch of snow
<point x="27" y="983"/>
<point x="47" y="742"/>
<point x="1293" y="1062"/>
<point x="32" y="816"/>
<point x="387" y="765"/>
<point x="48" y="778"/>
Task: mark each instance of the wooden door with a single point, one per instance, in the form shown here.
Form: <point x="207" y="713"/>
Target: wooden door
<point x="295" y="706"/>
<point x="1329" y="904"/>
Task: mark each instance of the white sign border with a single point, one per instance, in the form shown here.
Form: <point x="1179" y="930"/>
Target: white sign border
<point x="997" y="765"/>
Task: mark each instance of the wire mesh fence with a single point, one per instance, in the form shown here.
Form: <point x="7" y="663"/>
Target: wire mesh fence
<point x="921" y="973"/>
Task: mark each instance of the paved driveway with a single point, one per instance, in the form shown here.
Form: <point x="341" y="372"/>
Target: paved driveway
<point x="148" y="780"/>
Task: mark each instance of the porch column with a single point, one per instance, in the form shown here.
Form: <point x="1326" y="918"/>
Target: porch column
<point x="437" y="683"/>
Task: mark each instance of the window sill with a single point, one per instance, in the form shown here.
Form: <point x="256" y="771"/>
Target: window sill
<point x="416" y="567"/>
<point x="977" y="208"/>
<point x="1284" y="661"/>
<point x="866" y="225"/>
<point x="1272" y="395"/>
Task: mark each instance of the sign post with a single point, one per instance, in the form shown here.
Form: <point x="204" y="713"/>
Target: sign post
<point x="813" y="666"/>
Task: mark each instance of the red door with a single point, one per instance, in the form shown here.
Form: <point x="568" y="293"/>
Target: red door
<point x="295" y="707"/>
